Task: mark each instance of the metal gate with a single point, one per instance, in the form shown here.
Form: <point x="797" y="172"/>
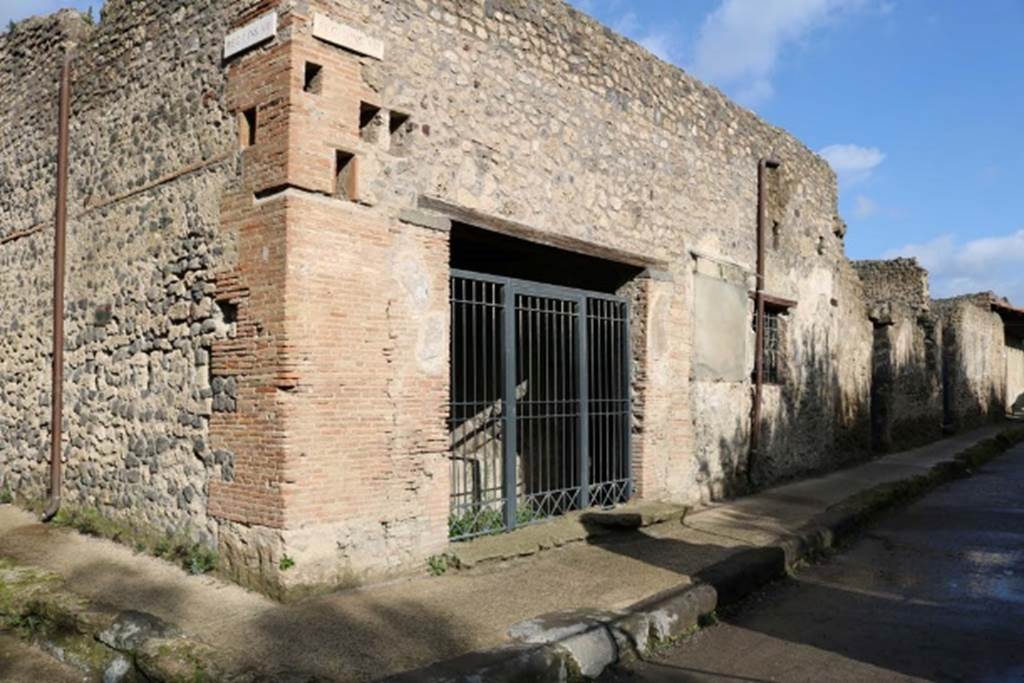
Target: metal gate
<point x="540" y="402"/>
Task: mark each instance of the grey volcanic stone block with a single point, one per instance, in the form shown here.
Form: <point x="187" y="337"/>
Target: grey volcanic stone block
<point x="131" y="629"/>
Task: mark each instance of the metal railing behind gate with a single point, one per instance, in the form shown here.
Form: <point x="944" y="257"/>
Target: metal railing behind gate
<point x="610" y="409"/>
<point x="540" y="403"/>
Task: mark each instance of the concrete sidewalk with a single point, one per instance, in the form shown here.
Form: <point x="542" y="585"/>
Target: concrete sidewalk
<point x="407" y="625"/>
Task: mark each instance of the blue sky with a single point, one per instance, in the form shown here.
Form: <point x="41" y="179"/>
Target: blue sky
<point x="918" y="104"/>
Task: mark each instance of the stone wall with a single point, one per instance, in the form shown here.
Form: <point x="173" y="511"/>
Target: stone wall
<point x="1015" y="375"/>
<point x="151" y="146"/>
<point x="590" y="137"/>
<point x="906" y="396"/>
<point x="900" y="281"/>
<point x="1013" y="322"/>
<point x="906" y="391"/>
<point x="974" y="359"/>
<point x="257" y="341"/>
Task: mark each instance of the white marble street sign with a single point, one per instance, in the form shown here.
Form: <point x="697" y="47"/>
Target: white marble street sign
<point x="253" y="33"/>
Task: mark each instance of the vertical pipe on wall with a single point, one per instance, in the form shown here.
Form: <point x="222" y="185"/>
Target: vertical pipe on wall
<point x="60" y="229"/>
<point x="755" y="418"/>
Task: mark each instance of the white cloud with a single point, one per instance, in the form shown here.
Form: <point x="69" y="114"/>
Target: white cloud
<point x="987" y="263"/>
<point x="661" y="44"/>
<point x="739" y="43"/>
<point x="658" y="41"/>
<point x="864" y="207"/>
<point x="754" y="92"/>
<point x="852" y="163"/>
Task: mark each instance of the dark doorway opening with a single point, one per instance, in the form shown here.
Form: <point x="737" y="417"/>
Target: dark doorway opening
<point x="485" y="251"/>
<point x="540" y="409"/>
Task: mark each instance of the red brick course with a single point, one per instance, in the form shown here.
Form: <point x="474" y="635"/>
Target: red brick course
<point x="340" y="348"/>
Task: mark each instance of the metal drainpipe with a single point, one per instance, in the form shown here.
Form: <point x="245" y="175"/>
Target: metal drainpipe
<point x="60" y="230"/>
<point x="755" y="417"/>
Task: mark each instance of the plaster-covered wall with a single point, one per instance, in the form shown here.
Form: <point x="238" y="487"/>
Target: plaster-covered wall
<point x="974" y="360"/>
<point x="1015" y="376"/>
<point x="907" y="382"/>
<point x="906" y="395"/>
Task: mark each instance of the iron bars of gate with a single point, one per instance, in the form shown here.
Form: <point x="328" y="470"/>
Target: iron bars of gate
<point x="540" y="402"/>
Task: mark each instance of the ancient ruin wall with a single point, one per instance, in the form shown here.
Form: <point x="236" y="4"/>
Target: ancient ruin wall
<point x="974" y="360"/>
<point x="534" y="112"/>
<point x="900" y="281"/>
<point x="906" y="397"/>
<point x="906" y="392"/>
<point x="526" y="111"/>
<point x="1015" y="375"/>
<point x="151" y="145"/>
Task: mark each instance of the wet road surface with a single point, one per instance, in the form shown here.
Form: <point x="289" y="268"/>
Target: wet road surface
<point x="931" y="592"/>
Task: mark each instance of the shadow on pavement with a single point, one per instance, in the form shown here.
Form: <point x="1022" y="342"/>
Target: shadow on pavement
<point x="935" y="592"/>
<point x="313" y="639"/>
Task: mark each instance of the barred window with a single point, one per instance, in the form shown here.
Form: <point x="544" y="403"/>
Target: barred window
<point x="772" y="344"/>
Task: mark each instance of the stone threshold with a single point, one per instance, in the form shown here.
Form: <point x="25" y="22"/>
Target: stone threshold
<point x="559" y="531"/>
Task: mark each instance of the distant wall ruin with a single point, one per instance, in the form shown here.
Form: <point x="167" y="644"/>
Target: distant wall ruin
<point x="975" y="360"/>
<point x="906" y="375"/>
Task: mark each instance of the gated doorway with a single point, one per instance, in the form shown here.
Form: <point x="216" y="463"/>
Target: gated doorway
<point x="540" y="402"/>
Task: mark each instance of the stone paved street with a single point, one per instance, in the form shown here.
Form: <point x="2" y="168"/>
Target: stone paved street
<point x="932" y="592"/>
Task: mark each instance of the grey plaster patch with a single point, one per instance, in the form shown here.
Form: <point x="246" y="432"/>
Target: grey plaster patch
<point x="721" y="325"/>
